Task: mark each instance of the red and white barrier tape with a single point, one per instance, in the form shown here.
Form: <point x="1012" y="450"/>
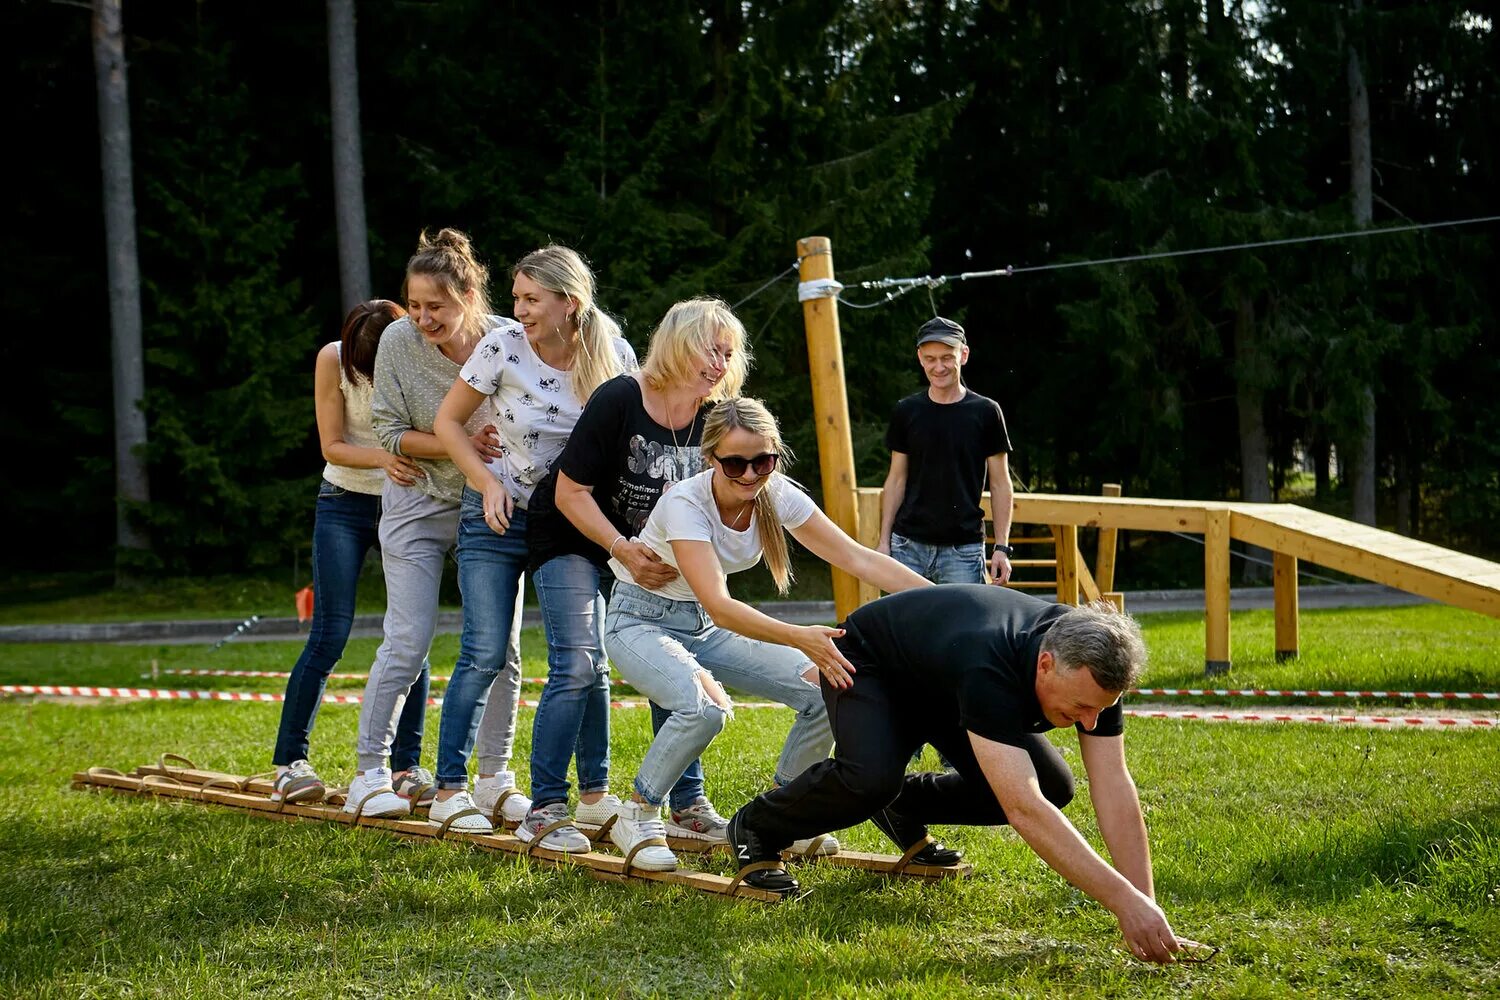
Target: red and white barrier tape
<point x="285" y="674"/>
<point x="150" y="694"/>
<point x="1158" y="692"/>
<point x="156" y="694"/>
<point x="1393" y="721"/>
<point x="1270" y="693"/>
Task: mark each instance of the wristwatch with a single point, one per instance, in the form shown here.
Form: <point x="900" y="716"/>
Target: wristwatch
<point x="1009" y="550"/>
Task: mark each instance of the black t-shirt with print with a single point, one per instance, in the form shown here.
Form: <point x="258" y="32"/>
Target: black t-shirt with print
<point x="946" y="445"/>
<point x="969" y="644"/>
<point x="626" y="457"/>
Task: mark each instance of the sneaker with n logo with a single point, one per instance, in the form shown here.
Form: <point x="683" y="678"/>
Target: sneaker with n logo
<point x="749" y="849"/>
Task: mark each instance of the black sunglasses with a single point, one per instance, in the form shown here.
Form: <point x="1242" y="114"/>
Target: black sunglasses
<point x="734" y="466"/>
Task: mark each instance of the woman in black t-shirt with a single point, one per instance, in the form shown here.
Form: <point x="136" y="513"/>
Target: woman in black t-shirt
<point x="639" y="434"/>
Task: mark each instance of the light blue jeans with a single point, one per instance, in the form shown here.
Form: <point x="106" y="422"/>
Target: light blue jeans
<point x="940" y="563"/>
<point x="658" y="645"/>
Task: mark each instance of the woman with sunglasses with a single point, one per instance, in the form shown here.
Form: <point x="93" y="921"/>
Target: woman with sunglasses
<point x="682" y="642"/>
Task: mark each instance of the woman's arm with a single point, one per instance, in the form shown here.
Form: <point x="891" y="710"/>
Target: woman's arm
<point x="823" y="539"/>
<point x="701" y="569"/>
<point x="448" y="427"/>
<point x="328" y="399"/>
<point x="579" y="506"/>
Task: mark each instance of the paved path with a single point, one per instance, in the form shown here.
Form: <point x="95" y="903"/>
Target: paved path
<point x="167" y="632"/>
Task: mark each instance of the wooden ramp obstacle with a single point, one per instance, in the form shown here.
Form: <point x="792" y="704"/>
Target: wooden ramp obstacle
<point x="184" y="781"/>
<point x="1290" y="532"/>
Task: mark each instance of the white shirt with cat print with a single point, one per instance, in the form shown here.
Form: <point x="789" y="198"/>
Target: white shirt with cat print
<point x="534" y="405"/>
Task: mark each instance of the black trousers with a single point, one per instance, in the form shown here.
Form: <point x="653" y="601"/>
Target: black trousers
<point x="877" y="725"/>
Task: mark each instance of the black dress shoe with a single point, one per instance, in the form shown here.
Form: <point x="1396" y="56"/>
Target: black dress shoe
<point x="749" y="849"/>
<point x="906" y="832"/>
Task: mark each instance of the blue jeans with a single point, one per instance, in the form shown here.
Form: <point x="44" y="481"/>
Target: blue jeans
<point x="940" y="563"/>
<point x="659" y="645"/>
<point x="346" y="524"/>
<point x="572" y="716"/>
<point x="489" y="574"/>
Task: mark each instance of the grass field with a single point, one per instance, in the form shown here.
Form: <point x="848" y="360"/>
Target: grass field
<point x="1333" y="862"/>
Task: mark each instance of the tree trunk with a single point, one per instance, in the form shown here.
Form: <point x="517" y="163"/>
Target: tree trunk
<point x="1359" y="456"/>
<point x="1254" y="452"/>
<point x="348" y="160"/>
<point x="132" y="484"/>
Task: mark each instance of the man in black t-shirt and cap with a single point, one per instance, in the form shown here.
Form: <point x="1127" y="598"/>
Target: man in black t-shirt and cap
<point x="943" y="442"/>
<point x="980" y="673"/>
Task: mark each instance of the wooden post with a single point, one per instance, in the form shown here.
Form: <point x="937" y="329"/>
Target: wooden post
<point x="825" y="357"/>
<point x="1285" y="580"/>
<point x="1216" y="591"/>
<point x="1066" y="536"/>
<point x="1104" y="562"/>
<point x="868" y="502"/>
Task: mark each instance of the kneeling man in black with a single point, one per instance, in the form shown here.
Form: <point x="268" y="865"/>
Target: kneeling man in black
<point x="980" y="673"/>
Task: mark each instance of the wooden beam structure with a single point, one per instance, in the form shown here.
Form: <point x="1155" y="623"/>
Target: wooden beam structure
<point x="1292" y="533"/>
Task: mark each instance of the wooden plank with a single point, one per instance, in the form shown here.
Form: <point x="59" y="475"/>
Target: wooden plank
<point x="1101" y="512"/>
<point x="1284" y="580"/>
<point x="159" y="786"/>
<point x="1104" y="558"/>
<point x="1216" y="592"/>
<point x="1066" y="536"/>
<point x="1088" y="589"/>
<point x="1417" y="567"/>
<point x="868" y="505"/>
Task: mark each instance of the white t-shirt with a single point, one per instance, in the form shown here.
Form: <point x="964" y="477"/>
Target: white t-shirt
<point x="534" y="405"/>
<point x="687" y="512"/>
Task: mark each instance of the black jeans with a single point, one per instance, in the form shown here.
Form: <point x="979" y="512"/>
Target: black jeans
<point x="877" y="724"/>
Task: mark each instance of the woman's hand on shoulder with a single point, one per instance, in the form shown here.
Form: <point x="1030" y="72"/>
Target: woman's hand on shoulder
<point x="401" y="470"/>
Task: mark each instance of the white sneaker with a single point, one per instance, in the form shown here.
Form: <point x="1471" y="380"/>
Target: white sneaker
<point x="635" y="823"/>
<point x="444" y="809"/>
<point x="372" y="791"/>
<point x="815" y="847"/>
<point x="488" y="792"/>
<point x="597" y="813"/>
<point x="565" y="838"/>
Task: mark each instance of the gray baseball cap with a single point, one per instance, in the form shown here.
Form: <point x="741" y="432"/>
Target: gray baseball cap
<point x="944" y="330"/>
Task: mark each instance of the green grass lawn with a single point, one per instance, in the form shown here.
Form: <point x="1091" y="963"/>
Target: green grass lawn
<point x="1333" y="862"/>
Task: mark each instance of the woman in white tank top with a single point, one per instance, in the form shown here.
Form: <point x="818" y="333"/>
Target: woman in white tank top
<point x="344" y="528"/>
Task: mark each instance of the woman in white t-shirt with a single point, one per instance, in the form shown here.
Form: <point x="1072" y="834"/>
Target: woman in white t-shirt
<point x="682" y="642"/>
<point x="535" y="373"/>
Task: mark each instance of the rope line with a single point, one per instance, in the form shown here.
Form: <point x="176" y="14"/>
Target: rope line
<point x="931" y="282"/>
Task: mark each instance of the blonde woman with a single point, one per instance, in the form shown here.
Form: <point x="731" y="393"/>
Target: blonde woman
<point x="638" y="436"/>
<point x="682" y="642"/>
<point x="535" y="373"/>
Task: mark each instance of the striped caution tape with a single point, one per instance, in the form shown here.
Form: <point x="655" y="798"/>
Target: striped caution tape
<point x="157" y="694"/>
<point x="1271" y="693"/>
<point x="153" y="694"/>
<point x="1393" y="721"/>
<point x="283" y="674"/>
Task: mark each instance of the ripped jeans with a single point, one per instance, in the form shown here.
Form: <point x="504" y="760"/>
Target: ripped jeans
<point x="659" y="645"/>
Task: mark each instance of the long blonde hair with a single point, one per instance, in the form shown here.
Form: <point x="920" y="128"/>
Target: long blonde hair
<point x="685" y="336"/>
<point x="751" y="415"/>
<point x="448" y="258"/>
<point x="562" y="270"/>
